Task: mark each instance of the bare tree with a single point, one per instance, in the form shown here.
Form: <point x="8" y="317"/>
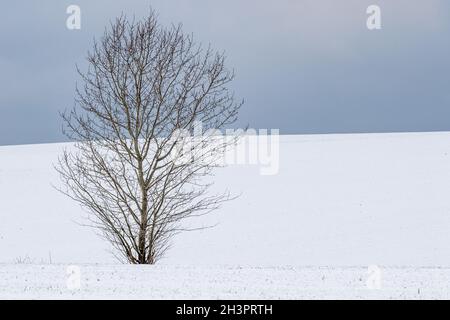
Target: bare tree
<point x="145" y="88"/>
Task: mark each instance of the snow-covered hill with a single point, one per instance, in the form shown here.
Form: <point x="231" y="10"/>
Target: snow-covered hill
<point x="338" y="200"/>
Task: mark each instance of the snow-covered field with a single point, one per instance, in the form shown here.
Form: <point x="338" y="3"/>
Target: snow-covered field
<point x="219" y="282"/>
<point x="338" y="200"/>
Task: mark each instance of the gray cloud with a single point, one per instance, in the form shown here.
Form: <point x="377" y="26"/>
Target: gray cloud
<point x="304" y="66"/>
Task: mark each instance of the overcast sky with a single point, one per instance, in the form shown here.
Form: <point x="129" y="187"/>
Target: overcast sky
<point x="303" y="66"/>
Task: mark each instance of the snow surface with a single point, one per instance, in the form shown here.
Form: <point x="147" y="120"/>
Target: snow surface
<point x="338" y="200"/>
<point x="220" y="282"/>
<point x="344" y="200"/>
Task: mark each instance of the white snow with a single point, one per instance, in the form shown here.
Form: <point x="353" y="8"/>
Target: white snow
<point x="338" y="200"/>
<point x="220" y="282"/>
